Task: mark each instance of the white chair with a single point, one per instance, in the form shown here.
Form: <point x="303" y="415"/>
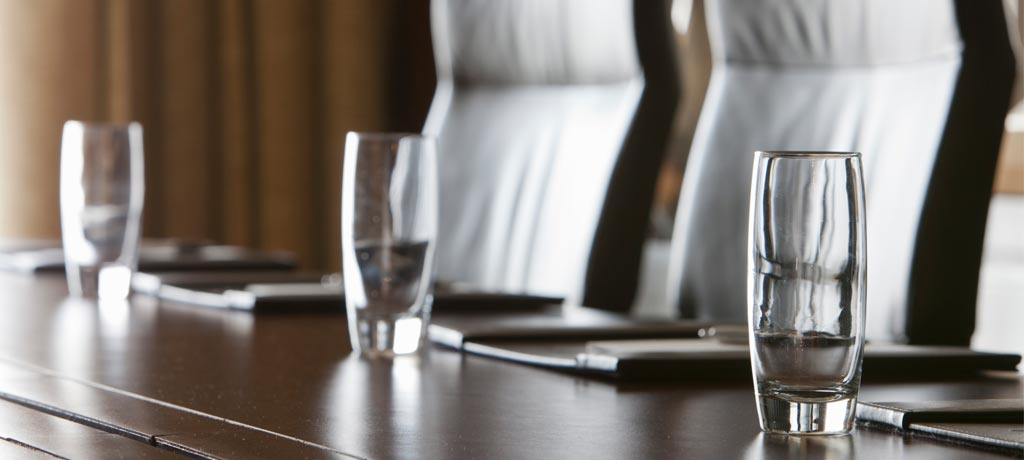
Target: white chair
<point x="551" y="116"/>
<point x="920" y="87"/>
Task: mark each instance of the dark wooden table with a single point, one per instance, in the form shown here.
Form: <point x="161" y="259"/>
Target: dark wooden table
<point x="140" y="379"/>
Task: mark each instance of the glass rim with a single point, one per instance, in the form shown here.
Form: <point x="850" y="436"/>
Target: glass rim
<point x="386" y="136"/>
<point x="103" y="125"/>
<point x="806" y="154"/>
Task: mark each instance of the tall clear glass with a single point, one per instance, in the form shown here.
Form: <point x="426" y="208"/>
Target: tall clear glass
<point x="388" y="230"/>
<point x="806" y="289"/>
<point x="101" y="194"/>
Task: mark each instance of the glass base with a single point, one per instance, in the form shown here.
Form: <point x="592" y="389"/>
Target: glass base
<point x="106" y="281"/>
<point x="792" y="414"/>
<point x="386" y="336"/>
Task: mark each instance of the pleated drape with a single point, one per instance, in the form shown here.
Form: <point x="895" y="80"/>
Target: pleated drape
<point x="244" y="106"/>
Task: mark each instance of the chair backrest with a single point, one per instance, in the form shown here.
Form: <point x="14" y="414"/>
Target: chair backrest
<point x="551" y="118"/>
<point x="897" y="81"/>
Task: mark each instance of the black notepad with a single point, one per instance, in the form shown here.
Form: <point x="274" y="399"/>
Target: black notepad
<point x="615" y="346"/>
<point x="154" y="256"/>
<point x="244" y="290"/>
<point x="988" y="423"/>
<point x="279" y="291"/>
<point x="547" y="323"/>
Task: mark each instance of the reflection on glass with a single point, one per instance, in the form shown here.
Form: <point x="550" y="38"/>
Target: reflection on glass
<point x="101" y="195"/>
<point x="354" y="405"/>
<point x="72" y="341"/>
<point x="768" y="446"/>
<point x="388" y="229"/>
<point x="113" y="317"/>
<point x="379" y="408"/>
<point x="806" y="291"/>
<point x="405" y="394"/>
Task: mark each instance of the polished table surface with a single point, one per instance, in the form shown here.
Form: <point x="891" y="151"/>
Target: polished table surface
<point x="141" y="379"/>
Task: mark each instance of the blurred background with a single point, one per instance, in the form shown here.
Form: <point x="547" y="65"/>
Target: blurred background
<point x="245" y="105"/>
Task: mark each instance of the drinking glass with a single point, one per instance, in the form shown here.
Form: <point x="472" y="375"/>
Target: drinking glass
<point x="806" y="289"/>
<point x="101" y="193"/>
<point x="388" y="229"/>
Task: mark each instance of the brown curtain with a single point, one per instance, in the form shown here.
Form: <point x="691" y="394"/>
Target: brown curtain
<point x="1010" y="172"/>
<point x="244" y="105"/>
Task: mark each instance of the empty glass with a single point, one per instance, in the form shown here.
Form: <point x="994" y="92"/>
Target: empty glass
<point x="388" y="229"/>
<point x="807" y="289"/>
<point x="101" y="193"/>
